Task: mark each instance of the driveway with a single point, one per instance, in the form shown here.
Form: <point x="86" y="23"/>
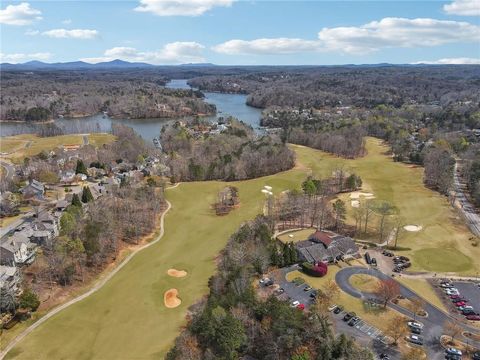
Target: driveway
<point x="434" y="323"/>
<point x="9" y="170"/>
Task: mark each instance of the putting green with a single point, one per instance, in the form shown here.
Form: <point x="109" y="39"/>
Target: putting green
<point x="127" y="319"/>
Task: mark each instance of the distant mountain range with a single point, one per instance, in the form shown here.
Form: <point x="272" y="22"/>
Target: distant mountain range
<point x="120" y="64"/>
<point x="79" y="65"/>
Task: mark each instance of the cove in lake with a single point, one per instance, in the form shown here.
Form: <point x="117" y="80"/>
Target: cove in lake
<point x="227" y="105"/>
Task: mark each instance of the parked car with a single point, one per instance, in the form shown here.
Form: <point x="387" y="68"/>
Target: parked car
<point x="476" y="355"/>
<point x="447" y="285"/>
<point x="353" y="321"/>
<point x="460" y="303"/>
<point x="348" y="316"/>
<point x="468" y="312"/>
<point x="313" y="294"/>
<point x="279" y="291"/>
<point x="374" y="262"/>
<point x="301" y="306"/>
<point x="415" y="330"/>
<point x="473" y="317"/>
<point x="452" y="292"/>
<point x="453" y="351"/>
<point x="295" y="303"/>
<point x="459" y="298"/>
<point x="384" y="357"/>
<point x="307" y="288"/>
<point x="332" y="307"/>
<point x="397" y="269"/>
<point x="338" y="309"/>
<point x="465" y="307"/>
<point x="415" y="324"/>
<point x="453" y="357"/>
<point x="415" y="339"/>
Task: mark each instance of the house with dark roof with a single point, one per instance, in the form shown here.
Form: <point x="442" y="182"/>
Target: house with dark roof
<point x="17" y="249"/>
<point x="10" y="279"/>
<point x="326" y="246"/>
<point x="34" y="189"/>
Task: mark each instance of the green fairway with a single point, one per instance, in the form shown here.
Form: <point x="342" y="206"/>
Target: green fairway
<point x="443" y="229"/>
<point x="126" y="319"/>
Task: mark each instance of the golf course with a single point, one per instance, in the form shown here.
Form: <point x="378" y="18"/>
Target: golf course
<point x="127" y="317"/>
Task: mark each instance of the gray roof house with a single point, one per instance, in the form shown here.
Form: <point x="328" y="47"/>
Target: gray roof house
<point x="326" y="246"/>
<point x="17" y="249"/>
<point x="34" y="189"/>
<point x="10" y="278"/>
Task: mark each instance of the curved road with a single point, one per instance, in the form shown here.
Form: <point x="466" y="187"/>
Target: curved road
<point x="433" y="323"/>
<point x="94" y="289"/>
<point x="9" y="169"/>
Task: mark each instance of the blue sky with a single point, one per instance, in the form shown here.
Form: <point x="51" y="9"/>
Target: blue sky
<point x="242" y="32"/>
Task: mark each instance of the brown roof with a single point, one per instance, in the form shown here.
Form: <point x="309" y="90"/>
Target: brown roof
<point x="321" y="236"/>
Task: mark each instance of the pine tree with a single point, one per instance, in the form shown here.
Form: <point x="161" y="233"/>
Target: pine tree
<point x="86" y="195"/>
<point x="81" y="169"/>
<point x="76" y="200"/>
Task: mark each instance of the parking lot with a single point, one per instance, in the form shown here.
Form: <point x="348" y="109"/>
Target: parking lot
<point x="471" y="291"/>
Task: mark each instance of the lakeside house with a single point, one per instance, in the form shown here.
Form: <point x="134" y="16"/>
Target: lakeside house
<point x="326" y="246"/>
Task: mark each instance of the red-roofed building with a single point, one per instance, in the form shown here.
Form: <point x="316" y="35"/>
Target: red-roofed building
<point x="322" y="237"/>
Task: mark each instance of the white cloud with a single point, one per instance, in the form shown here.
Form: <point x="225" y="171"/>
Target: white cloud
<point x="452" y="61"/>
<point x="31" y="32"/>
<point x="397" y="32"/>
<point x="463" y="7"/>
<point x="268" y="46"/>
<point x="67" y="21"/>
<point x="16" y="58"/>
<point x="21" y="14"/>
<point x="71" y="34"/>
<point x="386" y="33"/>
<point x="172" y="53"/>
<point x="180" y="7"/>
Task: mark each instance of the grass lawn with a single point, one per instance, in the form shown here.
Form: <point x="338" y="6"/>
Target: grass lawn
<point x="8" y="220"/>
<point x="424" y="289"/>
<point x="362" y="282"/>
<point x="127" y="319"/>
<point x="39" y="144"/>
<point x="443" y="229"/>
<point x="378" y="317"/>
<point x="298" y="235"/>
<point x="10" y="144"/>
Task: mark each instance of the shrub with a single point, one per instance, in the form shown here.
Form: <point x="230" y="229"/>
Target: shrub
<point x="318" y="270"/>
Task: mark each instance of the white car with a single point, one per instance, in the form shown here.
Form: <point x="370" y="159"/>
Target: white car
<point x="415" y="324"/>
<point x="295" y="304"/>
<point x="452" y="292"/>
<point x="332" y="307"/>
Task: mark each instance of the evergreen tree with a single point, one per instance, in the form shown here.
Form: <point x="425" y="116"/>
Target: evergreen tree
<point x="29" y="300"/>
<point x="76" y="200"/>
<point x="86" y="195"/>
<point x="81" y="169"/>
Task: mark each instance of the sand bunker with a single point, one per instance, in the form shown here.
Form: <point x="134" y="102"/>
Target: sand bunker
<point x="170" y="299"/>
<point x="412" y="227"/>
<point x="177" y="273"/>
<point x="356" y="195"/>
<point x="355" y="203"/>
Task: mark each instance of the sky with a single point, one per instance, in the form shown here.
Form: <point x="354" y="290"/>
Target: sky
<point x="241" y="32"/>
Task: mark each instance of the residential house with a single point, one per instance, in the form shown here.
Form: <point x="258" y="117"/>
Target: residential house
<point x="17" y="249"/>
<point x="326" y="246"/>
<point x="33" y="190"/>
<point x="10" y="279"/>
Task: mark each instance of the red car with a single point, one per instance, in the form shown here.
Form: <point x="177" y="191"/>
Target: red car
<point x="473" y="317"/>
<point x="301" y="306"/>
<point x="461" y="303"/>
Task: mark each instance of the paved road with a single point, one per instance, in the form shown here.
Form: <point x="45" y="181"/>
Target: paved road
<point x="9" y="170"/>
<point x="468" y="210"/>
<point x="433" y="323"/>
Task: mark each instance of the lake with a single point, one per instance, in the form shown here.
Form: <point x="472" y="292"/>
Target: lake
<point x="227" y="105"/>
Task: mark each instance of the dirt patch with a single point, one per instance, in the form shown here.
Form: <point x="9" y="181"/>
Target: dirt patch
<point x="171" y="299"/>
<point x="412" y="228"/>
<point x="177" y="273"/>
<point x="355" y="203"/>
<point x="357" y="194"/>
